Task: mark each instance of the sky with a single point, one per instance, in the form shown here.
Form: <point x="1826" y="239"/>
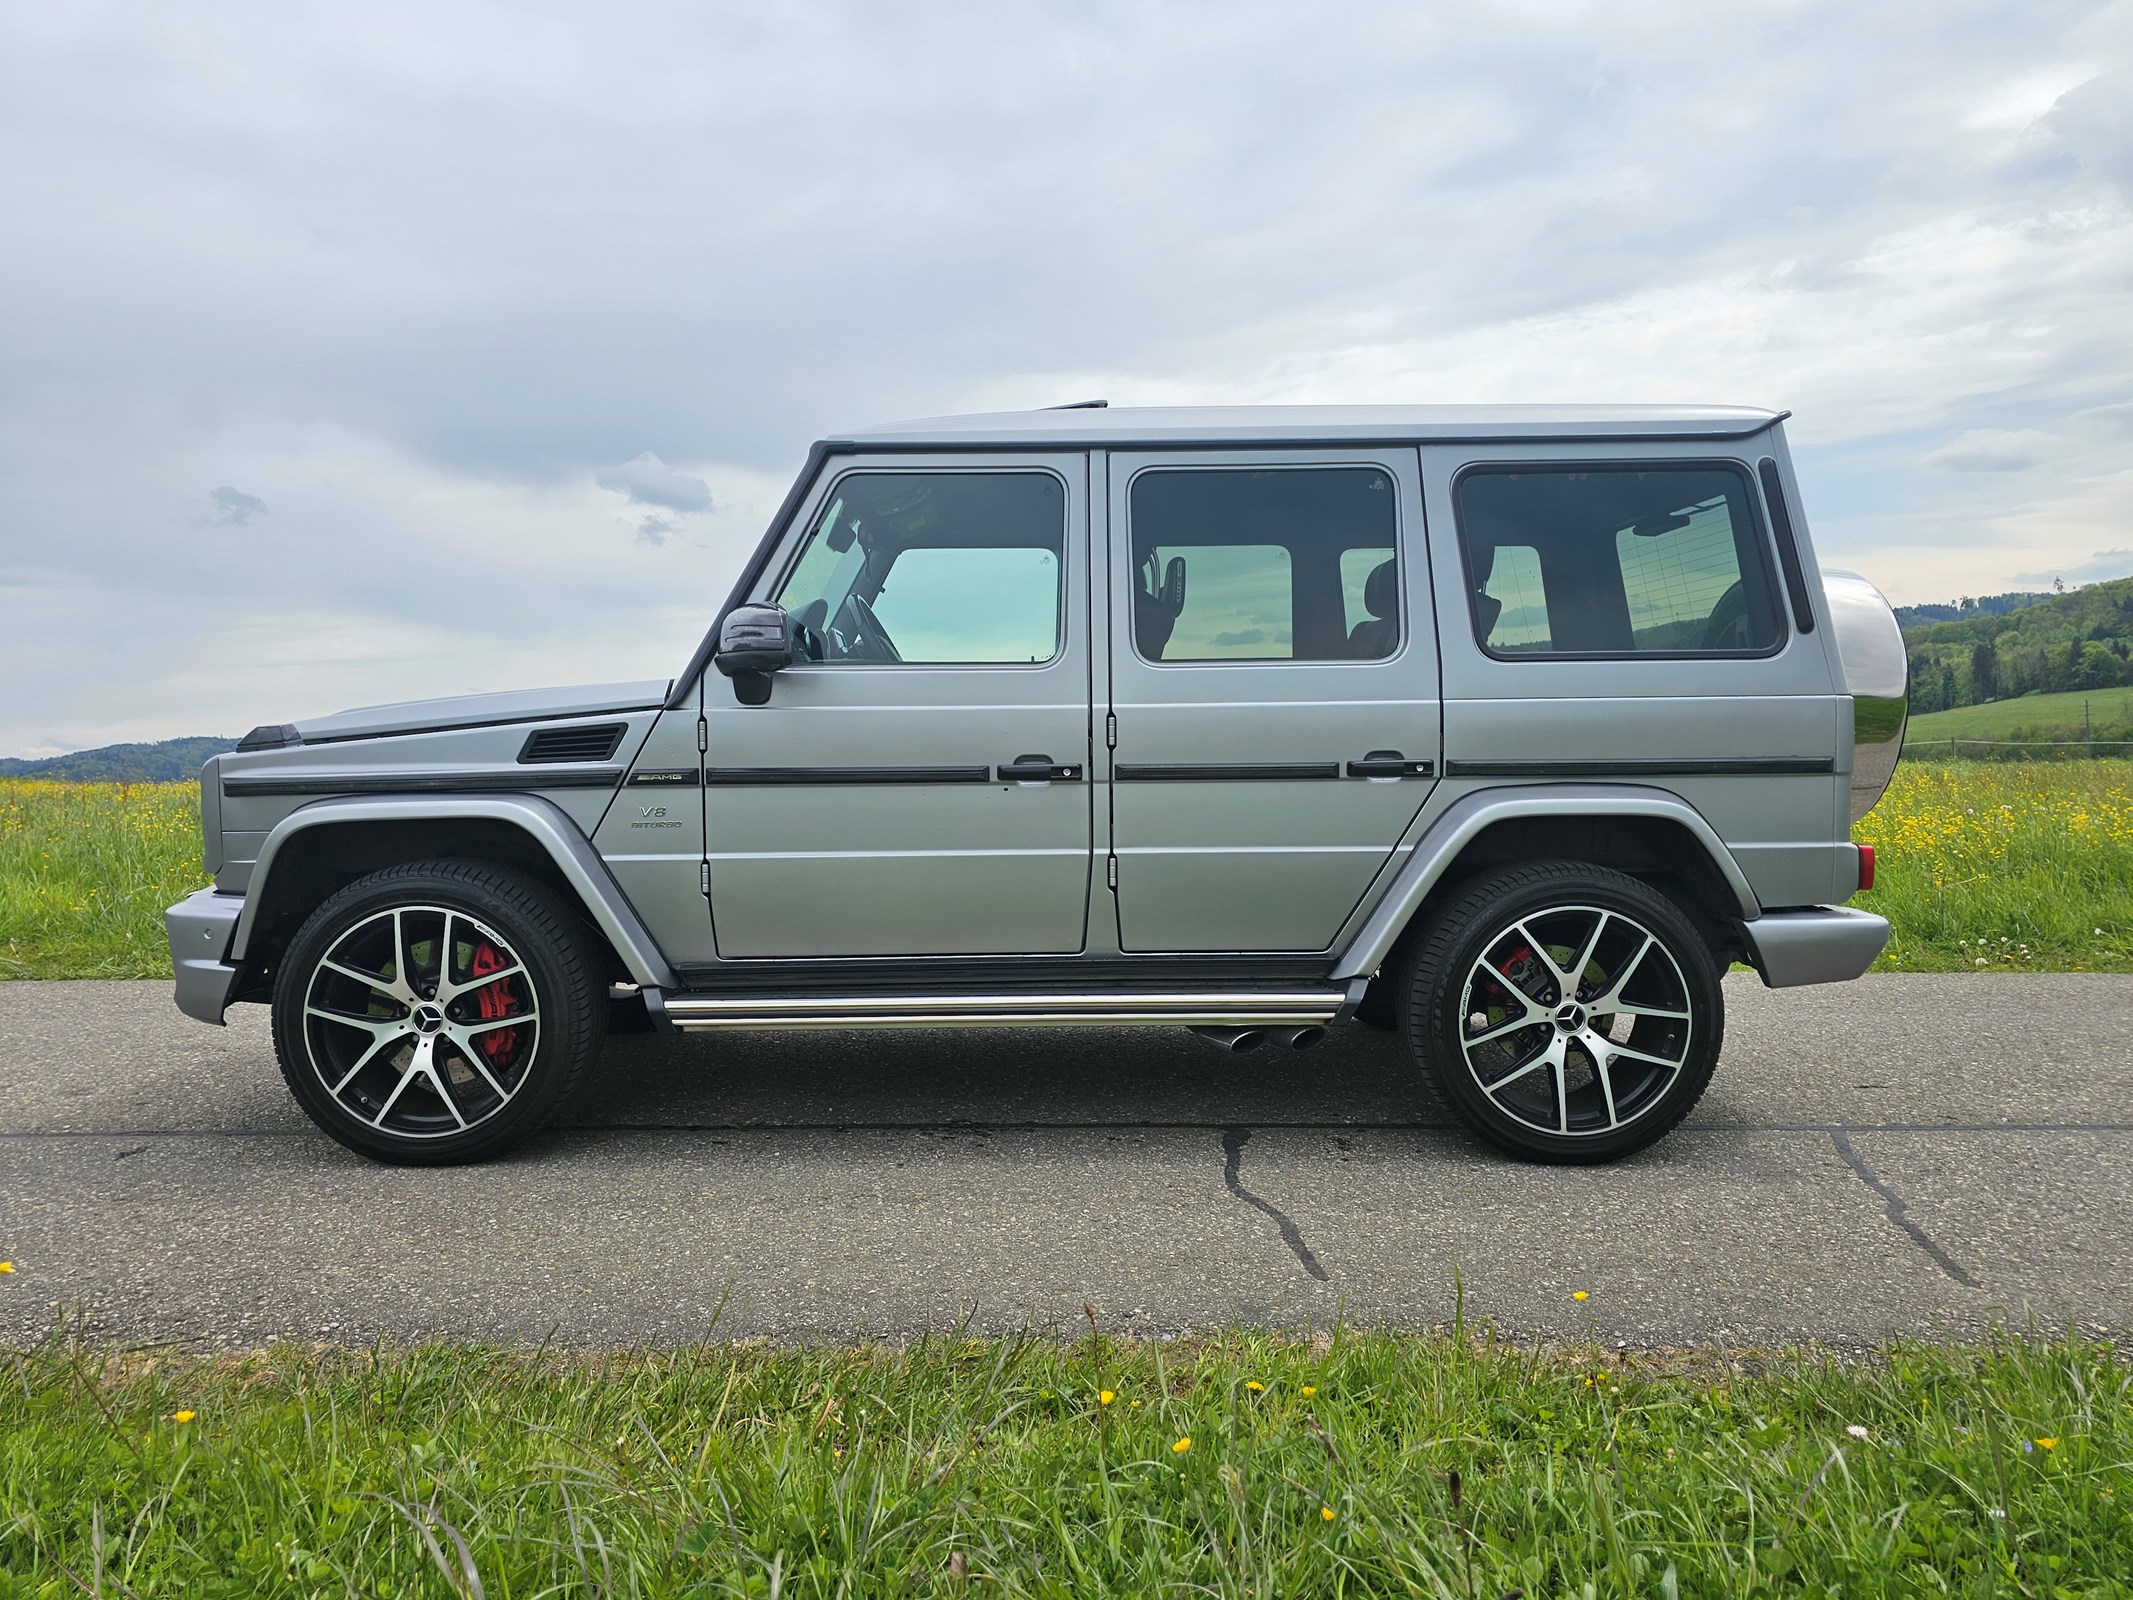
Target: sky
<point x="364" y="353"/>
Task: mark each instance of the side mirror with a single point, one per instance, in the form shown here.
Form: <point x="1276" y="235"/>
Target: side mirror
<point x="754" y="642"/>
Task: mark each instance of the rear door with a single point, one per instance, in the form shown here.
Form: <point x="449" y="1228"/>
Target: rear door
<point x="1273" y="685"/>
<point x="919" y="787"/>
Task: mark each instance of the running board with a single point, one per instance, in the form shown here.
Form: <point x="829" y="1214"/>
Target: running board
<point x="1108" y="1009"/>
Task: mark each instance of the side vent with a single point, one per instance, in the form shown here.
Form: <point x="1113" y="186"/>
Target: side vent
<point x="595" y="743"/>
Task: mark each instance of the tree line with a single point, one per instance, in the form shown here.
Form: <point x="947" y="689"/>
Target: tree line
<point x="2082" y="639"/>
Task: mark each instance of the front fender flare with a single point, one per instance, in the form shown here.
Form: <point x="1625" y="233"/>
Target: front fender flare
<point x="1433" y="854"/>
<point x="541" y="820"/>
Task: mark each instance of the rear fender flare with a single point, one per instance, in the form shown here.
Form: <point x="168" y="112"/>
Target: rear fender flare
<point x="1433" y="854"/>
<point x="560" y="838"/>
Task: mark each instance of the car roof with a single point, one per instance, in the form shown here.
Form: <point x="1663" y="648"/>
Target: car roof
<point x="1234" y="425"/>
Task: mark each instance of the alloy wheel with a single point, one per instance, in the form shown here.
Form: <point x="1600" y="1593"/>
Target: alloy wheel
<point x="1575" y="1019"/>
<point x="421" y="1022"/>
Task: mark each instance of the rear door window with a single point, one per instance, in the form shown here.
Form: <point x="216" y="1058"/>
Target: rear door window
<point x="1264" y="564"/>
<point x="1616" y="561"/>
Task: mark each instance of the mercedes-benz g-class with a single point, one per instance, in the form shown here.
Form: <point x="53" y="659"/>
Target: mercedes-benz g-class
<point x="1510" y="728"/>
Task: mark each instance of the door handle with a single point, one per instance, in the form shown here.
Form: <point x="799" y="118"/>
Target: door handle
<point x="1389" y="764"/>
<point x="1037" y="769"/>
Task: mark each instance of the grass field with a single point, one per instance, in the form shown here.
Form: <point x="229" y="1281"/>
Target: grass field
<point x="2004" y="865"/>
<point x="1420" y="1465"/>
<point x="85" y="872"/>
<point x="2000" y="718"/>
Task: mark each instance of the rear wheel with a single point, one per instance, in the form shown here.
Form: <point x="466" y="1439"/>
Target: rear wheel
<point x="438" y="1012"/>
<point x="1565" y="1012"/>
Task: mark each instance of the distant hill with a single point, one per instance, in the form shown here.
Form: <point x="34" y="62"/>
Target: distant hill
<point x="1987" y="605"/>
<point x="165" y="761"/>
<point x="2052" y="644"/>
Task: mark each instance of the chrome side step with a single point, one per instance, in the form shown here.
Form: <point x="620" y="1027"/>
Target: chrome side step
<point x="1299" y="1007"/>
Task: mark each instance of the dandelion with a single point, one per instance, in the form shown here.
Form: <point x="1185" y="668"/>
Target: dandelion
<point x="1579" y="1294"/>
<point x="1255" y="1386"/>
<point x="1104" y="1397"/>
<point x="1325" y="1513"/>
<point x="1182" y="1445"/>
<point x="182" y="1416"/>
<point x="1856" y="1431"/>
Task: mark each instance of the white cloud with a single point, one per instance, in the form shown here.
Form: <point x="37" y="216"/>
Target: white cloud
<point x="1993" y="450"/>
<point x="2101" y="565"/>
<point x="649" y="481"/>
<point x="233" y="507"/>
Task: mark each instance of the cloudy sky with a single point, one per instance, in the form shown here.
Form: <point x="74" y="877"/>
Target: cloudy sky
<point x="358" y="353"/>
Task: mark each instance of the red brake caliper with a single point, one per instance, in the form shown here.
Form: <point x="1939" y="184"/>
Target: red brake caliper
<point x="500" y="1045"/>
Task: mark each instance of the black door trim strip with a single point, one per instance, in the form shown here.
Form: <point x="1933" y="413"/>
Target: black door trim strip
<point x="807" y="777"/>
<point x="508" y="780"/>
<point x="1664" y="767"/>
<point x="1222" y="772"/>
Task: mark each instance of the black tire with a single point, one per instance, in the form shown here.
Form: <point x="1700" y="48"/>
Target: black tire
<point x="1492" y="1056"/>
<point x="378" y="1063"/>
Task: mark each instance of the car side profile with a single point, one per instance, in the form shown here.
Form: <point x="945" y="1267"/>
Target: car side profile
<point x="1510" y="728"/>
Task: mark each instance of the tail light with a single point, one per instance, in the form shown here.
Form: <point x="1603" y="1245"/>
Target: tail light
<point x="1866" y="867"/>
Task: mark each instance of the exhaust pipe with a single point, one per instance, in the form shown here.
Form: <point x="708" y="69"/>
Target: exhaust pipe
<point x="1299" y="1038"/>
<point x="1235" y="1040"/>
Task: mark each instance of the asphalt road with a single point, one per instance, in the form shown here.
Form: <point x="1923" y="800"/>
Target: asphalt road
<point x="1907" y="1154"/>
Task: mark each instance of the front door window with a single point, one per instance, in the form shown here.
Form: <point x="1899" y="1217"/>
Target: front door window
<point x="935" y="569"/>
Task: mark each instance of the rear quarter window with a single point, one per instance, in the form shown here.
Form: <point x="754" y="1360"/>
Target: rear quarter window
<point x="1605" y="561"/>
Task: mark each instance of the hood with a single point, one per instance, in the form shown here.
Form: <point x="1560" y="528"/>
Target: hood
<point x="481" y="710"/>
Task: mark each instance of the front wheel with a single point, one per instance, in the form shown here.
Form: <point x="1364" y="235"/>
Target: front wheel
<point x="438" y="1012"/>
<point x="1565" y="1012"/>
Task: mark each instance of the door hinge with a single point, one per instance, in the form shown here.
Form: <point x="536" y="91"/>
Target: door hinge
<point x="1110" y="731"/>
<point x="703" y="879"/>
<point x="703" y="734"/>
<point x="1111" y="872"/>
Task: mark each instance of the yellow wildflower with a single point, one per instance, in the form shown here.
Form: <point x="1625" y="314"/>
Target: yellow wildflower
<point x="1326" y="1512"/>
<point x="1182" y="1446"/>
<point x="1254" y="1385"/>
<point x="1579" y="1294"/>
<point x="182" y="1416"/>
<point x="2048" y="1444"/>
<point x="1104" y="1397"/>
<point x="1309" y="1390"/>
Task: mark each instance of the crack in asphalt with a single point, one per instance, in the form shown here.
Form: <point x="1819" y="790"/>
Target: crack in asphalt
<point x="1232" y="1163"/>
<point x="1898" y="1210"/>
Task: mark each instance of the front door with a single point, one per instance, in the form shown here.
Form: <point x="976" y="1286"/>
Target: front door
<point x="919" y="785"/>
<point x="1274" y="680"/>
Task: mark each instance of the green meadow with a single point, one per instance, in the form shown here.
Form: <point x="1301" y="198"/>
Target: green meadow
<point x="1445" y="1466"/>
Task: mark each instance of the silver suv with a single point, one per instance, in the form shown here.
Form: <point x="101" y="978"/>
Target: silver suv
<point x="1508" y="728"/>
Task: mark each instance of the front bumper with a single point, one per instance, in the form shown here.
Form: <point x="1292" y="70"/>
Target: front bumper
<point x="200" y="927"/>
<point x="1820" y="944"/>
